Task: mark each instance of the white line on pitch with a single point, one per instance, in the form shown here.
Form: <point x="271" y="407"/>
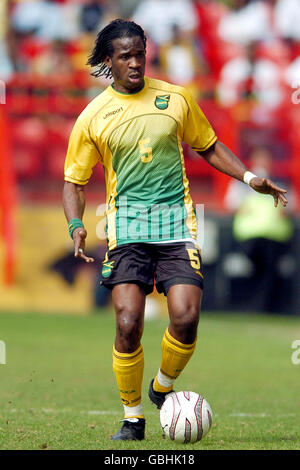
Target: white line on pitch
<point x="257" y="415"/>
<point x="119" y="412"/>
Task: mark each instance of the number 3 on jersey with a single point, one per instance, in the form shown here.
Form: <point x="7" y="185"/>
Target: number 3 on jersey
<point x="146" y="152"/>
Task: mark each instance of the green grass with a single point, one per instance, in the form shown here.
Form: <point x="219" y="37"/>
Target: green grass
<point x="58" y="390"/>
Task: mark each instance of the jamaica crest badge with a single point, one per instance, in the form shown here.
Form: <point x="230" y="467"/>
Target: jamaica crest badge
<point x="107" y="268"/>
<point x="162" y="101"/>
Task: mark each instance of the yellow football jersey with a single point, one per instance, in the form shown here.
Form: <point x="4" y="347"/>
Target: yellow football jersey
<point x="137" y="138"/>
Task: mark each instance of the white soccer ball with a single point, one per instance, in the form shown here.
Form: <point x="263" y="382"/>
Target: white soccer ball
<point x="185" y="417"/>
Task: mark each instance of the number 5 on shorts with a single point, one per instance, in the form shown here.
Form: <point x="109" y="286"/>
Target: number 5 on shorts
<point x="194" y="258"/>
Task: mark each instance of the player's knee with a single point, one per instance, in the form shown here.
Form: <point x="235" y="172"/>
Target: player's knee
<point x="185" y="323"/>
<point x="129" y="327"/>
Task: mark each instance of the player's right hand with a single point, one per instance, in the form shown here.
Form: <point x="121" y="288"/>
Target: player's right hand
<point x="79" y="236"/>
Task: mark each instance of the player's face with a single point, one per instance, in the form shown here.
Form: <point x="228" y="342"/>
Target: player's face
<point x="127" y="64"/>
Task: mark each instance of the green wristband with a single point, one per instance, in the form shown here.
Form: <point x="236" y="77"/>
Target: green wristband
<point x="74" y="223"/>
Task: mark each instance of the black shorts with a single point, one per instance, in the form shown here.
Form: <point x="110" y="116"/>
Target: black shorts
<point x="145" y="263"/>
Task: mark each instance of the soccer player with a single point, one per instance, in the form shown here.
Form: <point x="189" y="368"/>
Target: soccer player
<point x="135" y="128"/>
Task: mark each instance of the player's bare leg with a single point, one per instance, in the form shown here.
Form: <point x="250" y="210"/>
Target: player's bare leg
<point x="179" y="341"/>
<point x="128" y="357"/>
<point x="129" y="304"/>
<point x="184" y="304"/>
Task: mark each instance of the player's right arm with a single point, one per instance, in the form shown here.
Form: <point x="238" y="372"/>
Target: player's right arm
<point x="74" y="205"/>
<point x="82" y="156"/>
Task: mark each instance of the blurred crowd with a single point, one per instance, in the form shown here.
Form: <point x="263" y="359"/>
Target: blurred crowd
<point x="233" y="48"/>
<point x="229" y="53"/>
<point x="240" y="58"/>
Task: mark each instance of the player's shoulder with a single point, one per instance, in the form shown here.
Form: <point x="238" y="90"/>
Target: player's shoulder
<point x="94" y="106"/>
<point x="166" y="87"/>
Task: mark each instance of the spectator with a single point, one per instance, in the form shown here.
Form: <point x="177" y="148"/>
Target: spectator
<point x="127" y="7"/>
<point x="158" y="17"/>
<point x="6" y="65"/>
<point x="254" y="73"/>
<point x="292" y="74"/>
<point x="91" y="15"/>
<point x="249" y="21"/>
<point x="21" y="48"/>
<point x="180" y="50"/>
<point x="287" y="19"/>
<point x="54" y="60"/>
<point x="262" y="234"/>
<point x="49" y="20"/>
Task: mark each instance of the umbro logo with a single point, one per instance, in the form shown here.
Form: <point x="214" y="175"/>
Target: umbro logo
<point x="112" y="113"/>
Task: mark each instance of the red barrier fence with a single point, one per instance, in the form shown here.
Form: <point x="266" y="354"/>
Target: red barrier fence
<point x="7" y="200"/>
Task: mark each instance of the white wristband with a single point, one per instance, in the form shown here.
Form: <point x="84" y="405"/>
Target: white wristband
<point x="248" y="176"/>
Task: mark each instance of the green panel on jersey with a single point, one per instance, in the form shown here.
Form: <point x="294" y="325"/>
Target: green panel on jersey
<point x="147" y="162"/>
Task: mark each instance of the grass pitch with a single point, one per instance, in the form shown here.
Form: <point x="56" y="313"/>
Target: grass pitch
<point x="58" y="390"/>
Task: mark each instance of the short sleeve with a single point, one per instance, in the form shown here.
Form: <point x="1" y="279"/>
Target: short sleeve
<point x="82" y="155"/>
<point x="197" y="131"/>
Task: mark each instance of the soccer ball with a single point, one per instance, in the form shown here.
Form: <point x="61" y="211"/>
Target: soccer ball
<point x="185" y="417"/>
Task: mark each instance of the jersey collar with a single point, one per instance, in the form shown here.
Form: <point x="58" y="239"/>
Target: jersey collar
<point x="127" y="96"/>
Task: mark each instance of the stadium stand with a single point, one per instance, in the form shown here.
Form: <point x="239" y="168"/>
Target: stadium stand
<point x="239" y="80"/>
<point x="244" y="78"/>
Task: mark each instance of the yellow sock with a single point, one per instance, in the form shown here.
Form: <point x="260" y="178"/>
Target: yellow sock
<point x="175" y="356"/>
<point x="129" y="369"/>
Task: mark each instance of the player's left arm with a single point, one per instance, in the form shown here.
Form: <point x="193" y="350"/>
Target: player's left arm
<point x="223" y="159"/>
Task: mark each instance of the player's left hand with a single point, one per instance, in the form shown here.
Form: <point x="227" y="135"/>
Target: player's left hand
<point x="266" y="186"/>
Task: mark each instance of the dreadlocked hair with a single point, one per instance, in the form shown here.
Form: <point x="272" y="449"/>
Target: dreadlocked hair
<point x="103" y="46"/>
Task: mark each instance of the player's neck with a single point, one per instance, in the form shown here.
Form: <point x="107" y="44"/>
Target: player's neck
<point x="125" y="91"/>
